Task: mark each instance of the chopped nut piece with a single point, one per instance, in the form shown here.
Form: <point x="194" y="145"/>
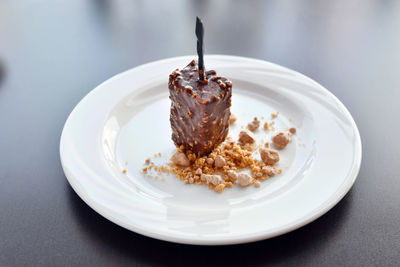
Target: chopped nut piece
<point x="180" y="159"/>
<point x="232" y="119"/>
<point x="257" y="184"/>
<point x="246" y="137"/>
<point x="219" y="161"/>
<point x="219" y="188"/>
<point x="269" y="170"/>
<point x="281" y="140"/>
<point x="252" y="126"/>
<point x="244" y="179"/>
<point x="266" y="127"/>
<point x="198" y="171"/>
<point x="210" y="161"/>
<point x="232" y="175"/>
<point x="269" y="156"/>
<point x="292" y="130"/>
<point x="148" y="160"/>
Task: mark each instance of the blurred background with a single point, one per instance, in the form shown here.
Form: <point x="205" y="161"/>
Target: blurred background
<point x="52" y="53"/>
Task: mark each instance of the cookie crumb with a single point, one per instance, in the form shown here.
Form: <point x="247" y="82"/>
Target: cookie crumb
<point x="253" y="126"/>
<point x="124" y="171"/>
<point x="210" y="161"/>
<point x="244" y="179"/>
<point x="269" y="156"/>
<point x="266" y="127"/>
<point x="246" y="137"/>
<point x="219" y="188"/>
<point x="257" y="184"/>
<point x="281" y="140"/>
<point x="232" y="175"/>
<point x="180" y="159"/>
<point x="292" y="130"/>
<point x="219" y="161"/>
<point x="269" y="170"/>
<point x="148" y="161"/>
<point x="232" y="119"/>
<point x="198" y="171"/>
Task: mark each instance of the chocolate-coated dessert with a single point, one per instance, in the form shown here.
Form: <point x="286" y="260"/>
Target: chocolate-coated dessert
<point x="200" y="109"/>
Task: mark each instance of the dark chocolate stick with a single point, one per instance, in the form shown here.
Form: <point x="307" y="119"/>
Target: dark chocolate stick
<point x="200" y="53"/>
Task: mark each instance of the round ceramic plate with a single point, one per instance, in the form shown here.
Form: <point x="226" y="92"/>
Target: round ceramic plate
<point x="126" y="119"/>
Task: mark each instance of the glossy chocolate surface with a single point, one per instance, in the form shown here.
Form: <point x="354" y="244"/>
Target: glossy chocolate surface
<point x="200" y="110"/>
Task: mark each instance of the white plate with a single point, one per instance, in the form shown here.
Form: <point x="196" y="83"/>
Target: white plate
<point x="126" y="118"/>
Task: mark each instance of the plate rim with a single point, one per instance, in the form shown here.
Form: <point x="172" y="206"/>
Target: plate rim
<point x="322" y="209"/>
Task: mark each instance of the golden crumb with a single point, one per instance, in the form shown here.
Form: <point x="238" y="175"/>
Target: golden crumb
<point x="274" y="115"/>
<point x="223" y="163"/>
<point x="232" y="119"/>
<point x="266" y="126"/>
<point x="159" y="154"/>
<point x="266" y="144"/>
<point x="219" y="188"/>
<point x="123" y="171"/>
<point x="280" y="171"/>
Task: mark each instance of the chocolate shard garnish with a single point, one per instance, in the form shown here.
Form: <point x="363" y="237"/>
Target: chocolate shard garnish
<point x="200" y="111"/>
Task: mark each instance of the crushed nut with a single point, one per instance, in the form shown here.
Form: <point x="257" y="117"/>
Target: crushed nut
<point x="269" y="156"/>
<point x="257" y="184"/>
<point x="292" y="130"/>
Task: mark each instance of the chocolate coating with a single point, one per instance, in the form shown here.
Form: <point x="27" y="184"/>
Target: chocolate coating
<point x="199" y="110"/>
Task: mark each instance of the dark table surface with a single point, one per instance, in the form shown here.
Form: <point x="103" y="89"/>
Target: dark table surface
<point x="54" y="52"/>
